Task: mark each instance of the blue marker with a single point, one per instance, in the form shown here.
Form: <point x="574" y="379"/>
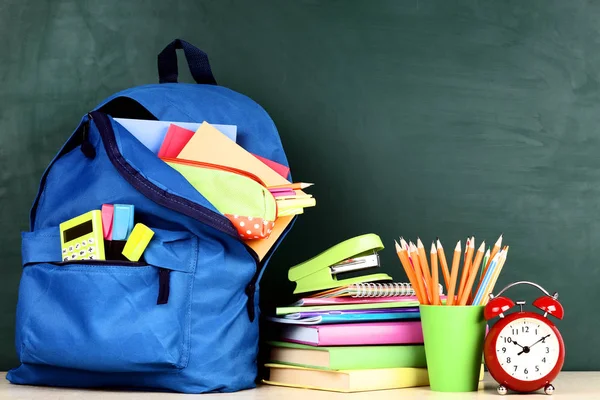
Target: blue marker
<point x="122" y="221"/>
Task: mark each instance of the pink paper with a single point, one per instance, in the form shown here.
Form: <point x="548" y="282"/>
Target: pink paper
<point x="275" y="166"/>
<point x="175" y="140"/>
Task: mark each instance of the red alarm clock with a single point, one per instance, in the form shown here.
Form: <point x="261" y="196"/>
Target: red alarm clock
<point x="524" y="351"/>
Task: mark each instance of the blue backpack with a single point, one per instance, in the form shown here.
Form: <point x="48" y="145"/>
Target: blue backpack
<point x="186" y="319"/>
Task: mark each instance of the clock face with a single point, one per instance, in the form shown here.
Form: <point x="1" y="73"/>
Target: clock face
<point x="527" y="349"/>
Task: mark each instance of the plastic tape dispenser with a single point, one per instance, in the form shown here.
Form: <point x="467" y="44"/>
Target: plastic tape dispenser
<point x="320" y="272"/>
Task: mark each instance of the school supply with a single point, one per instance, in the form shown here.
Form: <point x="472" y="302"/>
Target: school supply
<point x="434" y="275"/>
<point x="371" y="289"/>
<point x="177" y="137"/>
<point x="123" y="215"/>
<point x="284" y="205"/>
<point x="239" y="195"/>
<point x="489" y="280"/>
<point x="324" y="301"/>
<point x="275" y="166"/>
<point x="346" y="381"/>
<point x="408" y="302"/>
<point x="347" y="357"/>
<point x="460" y="292"/>
<point x="107" y="220"/>
<point x="285" y="192"/>
<point x="152" y="133"/>
<point x="373" y="333"/>
<point x="317" y="274"/>
<point x="523" y="366"/>
<point x="340" y="317"/>
<point x="81" y="238"/>
<point x="175" y="320"/>
<point x="357" y="263"/>
<point x="472" y="274"/>
<point x="486" y="257"/>
<point x="211" y="146"/>
<point x="174" y="141"/>
<point x="138" y="241"/>
<point x="292" y="186"/>
<point x="443" y="263"/>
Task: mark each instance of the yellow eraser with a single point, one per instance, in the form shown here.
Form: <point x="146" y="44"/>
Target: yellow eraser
<point x="138" y="241"/>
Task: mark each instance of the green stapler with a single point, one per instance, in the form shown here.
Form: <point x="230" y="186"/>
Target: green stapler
<point x="320" y="272"/>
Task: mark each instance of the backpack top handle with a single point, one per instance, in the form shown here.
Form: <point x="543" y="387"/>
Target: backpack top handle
<point x="197" y="61"/>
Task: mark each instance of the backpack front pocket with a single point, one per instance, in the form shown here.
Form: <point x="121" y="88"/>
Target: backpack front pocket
<point x="108" y="316"/>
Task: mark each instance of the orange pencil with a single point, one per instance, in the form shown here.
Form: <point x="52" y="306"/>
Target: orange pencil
<point x="468" y="260"/>
<point x="453" y="274"/>
<point x="434" y="277"/>
<point x="414" y="257"/>
<point x="425" y="268"/>
<point x="406" y="248"/>
<point x="472" y="275"/>
<point x="408" y="269"/>
<point x="293" y="186"/>
<point x="443" y="263"/>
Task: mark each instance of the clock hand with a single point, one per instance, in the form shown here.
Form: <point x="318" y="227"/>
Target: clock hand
<point x="526" y="349"/>
<point x="544" y="338"/>
<point x="517" y="344"/>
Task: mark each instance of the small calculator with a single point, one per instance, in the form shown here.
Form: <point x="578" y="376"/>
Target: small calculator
<point x="81" y="238"/>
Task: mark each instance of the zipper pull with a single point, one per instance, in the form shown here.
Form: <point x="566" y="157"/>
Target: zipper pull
<point x="164" y="285"/>
<point x="86" y="147"/>
<point x="250" y="289"/>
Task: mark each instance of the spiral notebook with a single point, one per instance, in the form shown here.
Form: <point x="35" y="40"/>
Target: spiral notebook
<point x="371" y="289"/>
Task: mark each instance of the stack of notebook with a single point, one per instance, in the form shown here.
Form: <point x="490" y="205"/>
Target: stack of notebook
<point x="354" y="334"/>
<point x="335" y="340"/>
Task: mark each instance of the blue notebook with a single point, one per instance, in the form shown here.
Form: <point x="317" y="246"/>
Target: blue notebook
<point x="152" y="133"/>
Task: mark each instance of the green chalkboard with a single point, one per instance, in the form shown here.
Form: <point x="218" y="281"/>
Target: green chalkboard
<point x="430" y="118"/>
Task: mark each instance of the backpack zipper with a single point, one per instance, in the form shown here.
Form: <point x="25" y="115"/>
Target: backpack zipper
<point x="164" y="274"/>
<point x="172" y="201"/>
<point x="217" y="167"/>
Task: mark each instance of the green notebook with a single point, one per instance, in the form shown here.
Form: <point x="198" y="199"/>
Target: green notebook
<point x="348" y="357"/>
<point x="342" y="307"/>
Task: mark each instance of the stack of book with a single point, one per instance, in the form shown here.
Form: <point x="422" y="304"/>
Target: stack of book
<point x="359" y="337"/>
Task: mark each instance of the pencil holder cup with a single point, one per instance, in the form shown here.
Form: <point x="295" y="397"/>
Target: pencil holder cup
<point x="453" y="337"/>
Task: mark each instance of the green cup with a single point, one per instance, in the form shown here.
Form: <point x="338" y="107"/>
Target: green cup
<point x="453" y="337"/>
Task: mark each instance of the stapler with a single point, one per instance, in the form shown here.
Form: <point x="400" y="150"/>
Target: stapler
<point x="320" y="272"/>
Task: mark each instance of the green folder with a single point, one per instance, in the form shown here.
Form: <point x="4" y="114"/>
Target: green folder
<point x="342" y="307"/>
<point x="348" y="357"/>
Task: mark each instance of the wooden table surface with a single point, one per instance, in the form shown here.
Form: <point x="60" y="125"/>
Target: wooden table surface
<point x="569" y="385"/>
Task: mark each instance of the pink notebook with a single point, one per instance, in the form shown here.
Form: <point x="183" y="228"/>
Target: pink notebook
<point x="375" y="333"/>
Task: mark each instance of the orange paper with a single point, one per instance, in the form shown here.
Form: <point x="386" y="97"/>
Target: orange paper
<point x="211" y="146"/>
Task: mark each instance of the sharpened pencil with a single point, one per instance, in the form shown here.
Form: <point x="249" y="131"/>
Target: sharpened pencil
<point x="425" y="268"/>
<point x="434" y="276"/>
<point x="410" y="273"/>
<point x="472" y="275"/>
<point x="443" y="263"/>
<point x="414" y="256"/>
<point x="453" y="274"/>
<point x="468" y="260"/>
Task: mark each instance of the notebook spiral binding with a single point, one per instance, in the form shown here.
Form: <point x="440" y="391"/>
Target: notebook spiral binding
<point x="371" y="289"/>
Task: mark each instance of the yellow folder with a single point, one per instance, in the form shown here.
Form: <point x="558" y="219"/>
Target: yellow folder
<point x="209" y="145"/>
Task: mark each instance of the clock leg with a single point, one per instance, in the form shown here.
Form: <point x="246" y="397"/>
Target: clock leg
<point x="549" y="389"/>
<point x="501" y="390"/>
